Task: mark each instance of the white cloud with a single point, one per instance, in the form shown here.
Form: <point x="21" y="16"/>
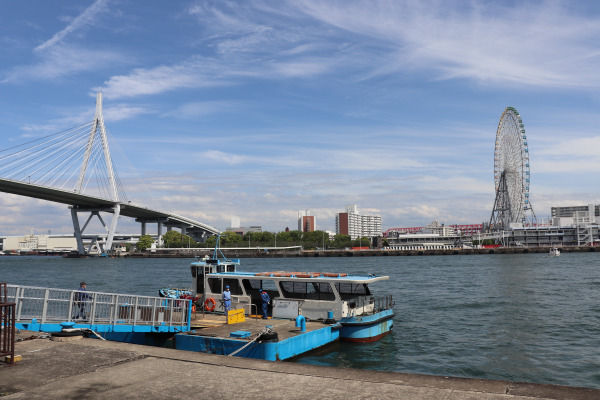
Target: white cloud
<point x="203" y="108"/>
<point x="84" y="19"/>
<point x="535" y="44"/>
<point x="148" y="81"/>
<point x="63" y="61"/>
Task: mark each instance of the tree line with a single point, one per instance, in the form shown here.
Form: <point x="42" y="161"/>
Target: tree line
<point x="308" y="240"/>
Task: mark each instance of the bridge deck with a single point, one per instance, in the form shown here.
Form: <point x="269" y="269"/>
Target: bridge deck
<point x="86" y="201"/>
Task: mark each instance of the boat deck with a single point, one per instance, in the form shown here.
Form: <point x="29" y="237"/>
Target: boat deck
<point x="215" y="325"/>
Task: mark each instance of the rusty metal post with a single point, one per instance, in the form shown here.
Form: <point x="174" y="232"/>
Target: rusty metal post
<point x="7" y="325"/>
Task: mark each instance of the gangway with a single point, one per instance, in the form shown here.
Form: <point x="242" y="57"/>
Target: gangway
<point x="44" y="309"/>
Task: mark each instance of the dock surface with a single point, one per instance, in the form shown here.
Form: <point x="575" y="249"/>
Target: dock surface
<point x="95" y="369"/>
<point x="216" y="326"/>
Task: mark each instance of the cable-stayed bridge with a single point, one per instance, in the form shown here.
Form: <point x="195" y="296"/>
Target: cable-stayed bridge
<point x="74" y="167"/>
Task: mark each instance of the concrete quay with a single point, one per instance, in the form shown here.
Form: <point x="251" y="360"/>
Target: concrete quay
<point x="95" y="369"/>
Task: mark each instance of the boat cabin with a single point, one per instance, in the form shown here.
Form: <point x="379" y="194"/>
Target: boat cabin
<point x="311" y="294"/>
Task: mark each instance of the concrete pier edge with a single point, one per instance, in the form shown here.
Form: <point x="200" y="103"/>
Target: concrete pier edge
<point x="101" y="369"/>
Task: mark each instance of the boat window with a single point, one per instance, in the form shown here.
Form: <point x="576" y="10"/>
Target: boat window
<point x="252" y="288"/>
<point x="293" y="290"/>
<point x="215" y="285"/>
<point x="350" y="290"/>
<point x="307" y="290"/>
<point x="200" y="284"/>
<point x="269" y="286"/>
<point x="251" y="285"/>
<point x="194" y="270"/>
<point x="234" y="286"/>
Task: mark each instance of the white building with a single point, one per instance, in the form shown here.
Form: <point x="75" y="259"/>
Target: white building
<point x="39" y="243"/>
<point x="355" y="225"/>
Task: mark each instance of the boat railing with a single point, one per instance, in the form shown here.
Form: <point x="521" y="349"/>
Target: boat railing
<point x="383" y="303"/>
<point x="47" y="306"/>
<point x="368" y="304"/>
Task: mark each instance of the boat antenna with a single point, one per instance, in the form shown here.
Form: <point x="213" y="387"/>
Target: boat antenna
<point x="218" y="248"/>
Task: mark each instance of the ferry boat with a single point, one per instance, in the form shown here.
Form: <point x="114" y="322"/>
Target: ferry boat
<point x="334" y="298"/>
<point x="554" y="252"/>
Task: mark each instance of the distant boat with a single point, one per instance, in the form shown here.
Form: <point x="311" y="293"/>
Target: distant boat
<point x="75" y="254"/>
<point x="554" y="252"/>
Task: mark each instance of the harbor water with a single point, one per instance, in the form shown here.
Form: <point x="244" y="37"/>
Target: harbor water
<point x="518" y="317"/>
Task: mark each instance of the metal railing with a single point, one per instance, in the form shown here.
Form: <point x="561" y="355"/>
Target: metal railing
<point x="48" y="306"/>
<point x="383" y="303"/>
<point x="7" y="325"/>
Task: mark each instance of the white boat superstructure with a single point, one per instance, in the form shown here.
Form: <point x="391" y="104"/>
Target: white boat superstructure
<point x="311" y="294"/>
<point x="554" y="252"/>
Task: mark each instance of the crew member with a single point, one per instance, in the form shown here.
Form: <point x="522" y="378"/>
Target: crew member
<point x="265" y="302"/>
<point x="81" y="298"/>
<point x="226" y="299"/>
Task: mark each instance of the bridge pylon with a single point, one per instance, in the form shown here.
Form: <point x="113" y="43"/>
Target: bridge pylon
<point x="98" y="129"/>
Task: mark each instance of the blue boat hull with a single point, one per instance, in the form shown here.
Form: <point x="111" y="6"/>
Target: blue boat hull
<point x="367" y="328"/>
<point x="272" y="351"/>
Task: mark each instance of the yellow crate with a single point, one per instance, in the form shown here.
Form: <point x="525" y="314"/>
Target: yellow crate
<point x="235" y="316"/>
<point x="17" y="358"/>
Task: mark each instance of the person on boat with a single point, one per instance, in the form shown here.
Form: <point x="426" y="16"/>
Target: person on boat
<point x="226" y="299"/>
<point x="80" y="299"/>
<point x="265" y="302"/>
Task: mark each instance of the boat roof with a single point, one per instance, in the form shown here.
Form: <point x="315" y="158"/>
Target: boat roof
<point x="303" y="276"/>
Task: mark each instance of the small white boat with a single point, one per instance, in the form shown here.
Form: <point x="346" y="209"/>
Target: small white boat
<point x="554" y="252"/>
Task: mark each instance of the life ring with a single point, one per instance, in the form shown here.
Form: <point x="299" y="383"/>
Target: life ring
<point x="210" y="304"/>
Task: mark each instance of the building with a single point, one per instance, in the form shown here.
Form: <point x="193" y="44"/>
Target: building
<point x="575" y="214"/>
<point x="552" y="236"/>
<point x="355" y="225"/>
<point x="306" y="222"/>
<point x="39" y="243"/>
<point x="570" y="226"/>
<point x="434" y="236"/>
<point x="460" y="230"/>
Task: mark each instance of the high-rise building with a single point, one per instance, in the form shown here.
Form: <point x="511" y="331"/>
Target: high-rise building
<point x="306" y="222"/>
<point x="575" y="214"/>
<point x="355" y="225"/>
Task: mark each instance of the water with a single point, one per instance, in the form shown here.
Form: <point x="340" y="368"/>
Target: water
<point x="519" y="317"/>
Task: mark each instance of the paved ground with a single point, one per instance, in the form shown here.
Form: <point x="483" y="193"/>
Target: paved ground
<point x="94" y="369"/>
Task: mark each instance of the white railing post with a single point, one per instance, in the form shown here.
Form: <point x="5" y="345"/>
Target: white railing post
<point x="92" y="317"/>
<point x="45" y="305"/>
<point x="114" y="308"/>
<point x="71" y="304"/>
<point x="18" y="301"/>
<point x="135" y="311"/>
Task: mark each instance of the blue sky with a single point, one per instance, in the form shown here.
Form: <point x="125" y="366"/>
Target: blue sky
<point x="260" y="109"/>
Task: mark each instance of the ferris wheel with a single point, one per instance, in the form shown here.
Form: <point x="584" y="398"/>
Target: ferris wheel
<point x="511" y="173"/>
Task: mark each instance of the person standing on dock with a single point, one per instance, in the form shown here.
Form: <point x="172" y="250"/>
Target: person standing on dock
<point x="80" y="299"/>
<point x="265" y="302"/>
<point x="226" y="299"/>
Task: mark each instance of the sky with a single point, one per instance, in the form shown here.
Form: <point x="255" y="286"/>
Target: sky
<point x="260" y="109"/>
